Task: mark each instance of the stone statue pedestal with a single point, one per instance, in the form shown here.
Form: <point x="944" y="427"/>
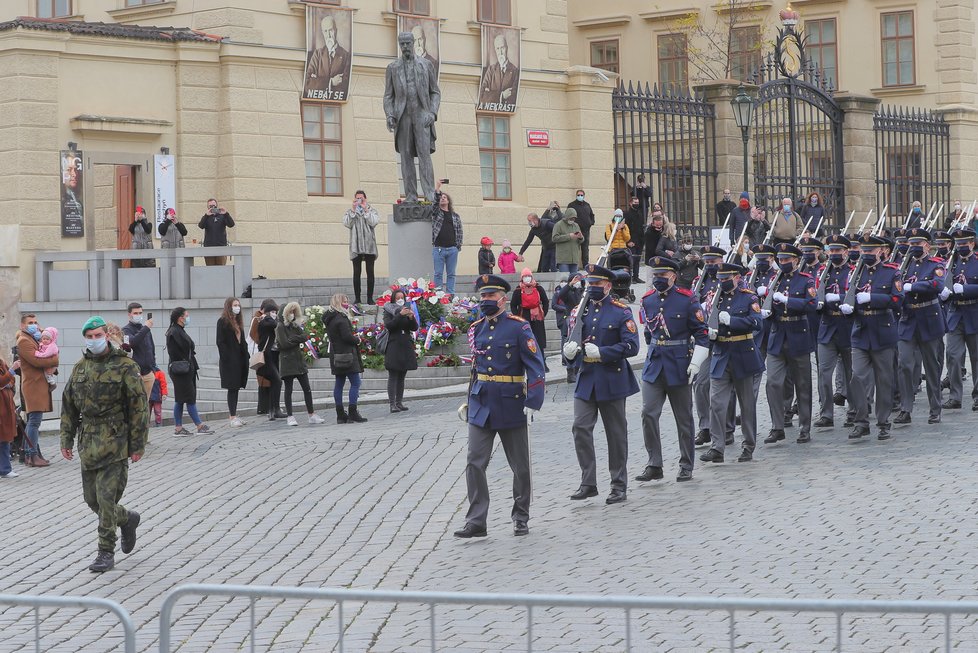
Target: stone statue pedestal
<point x="409" y="238"/>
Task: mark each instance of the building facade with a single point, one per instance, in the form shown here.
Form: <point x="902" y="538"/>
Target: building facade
<point x="218" y="86"/>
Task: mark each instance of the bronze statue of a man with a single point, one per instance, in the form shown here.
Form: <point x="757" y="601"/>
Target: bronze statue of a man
<point x="411" y="101"/>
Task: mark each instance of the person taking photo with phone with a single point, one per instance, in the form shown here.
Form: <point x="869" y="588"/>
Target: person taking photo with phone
<point x="215" y="224"/>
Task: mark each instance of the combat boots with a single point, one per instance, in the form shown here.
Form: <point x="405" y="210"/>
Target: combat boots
<point x="355" y="415"/>
<point x="129" y="532"/>
<point x="341" y="416"/>
<point x="104" y="561"/>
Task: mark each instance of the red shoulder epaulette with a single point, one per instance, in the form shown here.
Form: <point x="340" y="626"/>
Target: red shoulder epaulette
<point x="684" y="291"/>
<point x="892" y="266"/>
<point x="651" y="291"/>
<point x="805" y="274"/>
<point x="936" y="259"/>
<point x="515" y="317"/>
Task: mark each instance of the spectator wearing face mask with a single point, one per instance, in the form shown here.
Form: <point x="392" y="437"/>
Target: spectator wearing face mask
<point x="232" y="350"/>
<point x="567" y="237"/>
<point x="139" y="330"/>
<point x="542" y="227"/>
<point x="399" y="357"/>
<point x="622" y="235"/>
<point x="689" y="265"/>
<point x="566" y="299"/>
<point x="270" y="370"/>
<point x="954" y="216"/>
<point x="585" y="220"/>
<point x="508" y="259"/>
<point x="644" y="194"/>
<point x="660" y="236"/>
<point x="786" y="223"/>
<point x="531" y="303"/>
<point x="739" y="217"/>
<point x="916" y="215"/>
<point x="142" y="238"/>
<point x="757" y="227"/>
<point x="172" y="231"/>
<point x="33" y="385"/>
<point x="635" y="221"/>
<point x="812" y="212"/>
<point x="725" y="207"/>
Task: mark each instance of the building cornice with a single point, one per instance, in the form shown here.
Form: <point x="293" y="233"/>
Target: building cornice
<point x="669" y="14"/>
<point x="143" y="12"/>
<point x="602" y="21"/>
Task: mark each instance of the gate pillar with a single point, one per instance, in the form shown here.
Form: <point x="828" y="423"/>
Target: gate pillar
<point x="859" y="163"/>
<point x="963" y="148"/>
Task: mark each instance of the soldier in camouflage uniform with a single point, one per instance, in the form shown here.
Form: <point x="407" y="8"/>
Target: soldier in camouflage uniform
<point x="104" y="404"/>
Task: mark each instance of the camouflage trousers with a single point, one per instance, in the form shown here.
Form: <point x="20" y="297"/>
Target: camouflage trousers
<point x="103" y="488"/>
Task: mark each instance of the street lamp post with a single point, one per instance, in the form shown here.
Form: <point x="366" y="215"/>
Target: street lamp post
<point x="743" y="110"/>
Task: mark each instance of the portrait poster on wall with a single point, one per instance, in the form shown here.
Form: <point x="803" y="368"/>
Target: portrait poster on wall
<point x="329" y="64"/>
<point x="72" y="194"/>
<point x="500" y="84"/>
<point x="425" y="32"/>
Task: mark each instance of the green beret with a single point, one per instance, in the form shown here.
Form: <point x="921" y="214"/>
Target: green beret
<point x="93" y="322"/>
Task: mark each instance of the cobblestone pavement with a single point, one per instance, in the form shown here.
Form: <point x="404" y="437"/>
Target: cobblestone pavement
<point x="374" y="505"/>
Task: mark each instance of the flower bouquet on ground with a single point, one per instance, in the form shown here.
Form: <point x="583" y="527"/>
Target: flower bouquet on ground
<point x="445" y="360"/>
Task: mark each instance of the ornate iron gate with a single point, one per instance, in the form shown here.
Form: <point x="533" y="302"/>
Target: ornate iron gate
<point x="671" y="140"/>
<point x="797" y="131"/>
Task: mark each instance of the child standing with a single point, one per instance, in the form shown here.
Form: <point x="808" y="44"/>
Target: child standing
<point x="156" y="397"/>
<point x="487" y="260"/>
<point x="48" y="348"/>
<point x="508" y="259"/>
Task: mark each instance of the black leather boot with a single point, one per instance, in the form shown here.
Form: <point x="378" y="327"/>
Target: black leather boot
<point x="341" y="416"/>
<point x="355" y="415"/>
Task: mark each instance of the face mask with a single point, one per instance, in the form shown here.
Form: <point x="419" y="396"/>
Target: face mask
<point x="580" y="198"/>
<point x="916" y="210"/>
<point x="346" y="304"/>
<point x="186" y="321"/>
<point x="34" y="331"/>
<point x="744" y="204"/>
<point x="903" y="248"/>
<point x="635" y="206"/>
<point x="274" y="314"/>
<point x="964" y="252"/>
<point x="527" y="279"/>
<point x="236" y="310"/>
<point x="597" y="293"/>
<point x="943" y="252"/>
<point x="814" y="201"/>
<point x="916" y="251"/>
<point x="810" y="257"/>
<point x="727" y="285"/>
<point x="726" y="196"/>
<point x="869" y="259"/>
<point x="96" y="345"/>
<point x="661" y="284"/>
<point x="687" y="247"/>
<point x="957" y="207"/>
<point x="837" y="259"/>
<point x="136" y="319"/>
<point x="786" y="209"/>
<point x="489" y="307"/>
<point x="854" y="256"/>
<point x="506" y="249"/>
<point x="400" y="302"/>
<point x="763" y="265"/>
<point x="786" y="268"/>
<point x="711" y="268"/>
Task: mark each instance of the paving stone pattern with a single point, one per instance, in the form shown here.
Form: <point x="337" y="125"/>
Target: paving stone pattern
<point x="374" y="506"/>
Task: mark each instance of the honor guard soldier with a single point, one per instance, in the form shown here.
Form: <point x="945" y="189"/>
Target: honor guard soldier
<point x="921" y="328"/>
<point x="811" y="251"/>
<point x="507" y="384"/>
<point x="789" y="347"/>
<point x="834" y="336"/>
<point x="899" y="244"/>
<point x="104" y="406"/>
<point x="712" y="258"/>
<point x="962" y="318"/>
<point x="942" y="245"/>
<point x="673" y="320"/>
<point x="878" y="293"/>
<point x="734" y="362"/>
<point x="609" y="338"/>
<point x="765" y="269"/>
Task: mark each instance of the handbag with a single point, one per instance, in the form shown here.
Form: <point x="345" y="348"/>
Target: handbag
<point x="179" y="368"/>
<point x="380" y="344"/>
<point x="344" y="363"/>
<point x="257" y="360"/>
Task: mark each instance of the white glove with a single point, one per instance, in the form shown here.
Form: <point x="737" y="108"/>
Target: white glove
<point x="762" y="291"/>
<point x="833" y="297"/>
<point x="945" y="293"/>
<point x="591" y="350"/>
<point x="780" y="298"/>
<point x="571" y="349"/>
<point x="530" y="412"/>
<point x="713" y="333"/>
<point x="958" y="289"/>
<point x="765" y="314"/>
<point x="700" y="354"/>
<point x="724" y="317"/>
<point x="846" y="309"/>
<point x="863" y="297"/>
<point x="463" y="412"/>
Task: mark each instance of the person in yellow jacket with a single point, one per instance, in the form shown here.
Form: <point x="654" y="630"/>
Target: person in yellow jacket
<point x="622" y="236"/>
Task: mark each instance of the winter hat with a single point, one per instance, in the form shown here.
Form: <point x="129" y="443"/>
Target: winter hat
<point x="745" y="195"/>
<point x="618" y="213"/>
<point x="526" y="272"/>
<point x="291" y="313"/>
<point x="51" y="331"/>
<point x="486" y="240"/>
<point x="506" y="243"/>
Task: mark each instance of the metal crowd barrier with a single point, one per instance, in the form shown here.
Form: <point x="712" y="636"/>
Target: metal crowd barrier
<point x="531" y="601"/>
<point x="81" y="603"/>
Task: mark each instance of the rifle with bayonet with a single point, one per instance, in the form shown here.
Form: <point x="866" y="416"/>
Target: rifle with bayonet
<point x="699" y="279"/>
<point x="951" y="260"/>
<point x="926" y="225"/>
<point x="769" y="297"/>
<point x="713" y="320"/>
<point x="753" y="264"/>
<point x="857" y="269"/>
<point x="820" y="298"/>
<point x="575" y="334"/>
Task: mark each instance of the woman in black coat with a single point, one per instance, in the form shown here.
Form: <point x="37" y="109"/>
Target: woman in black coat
<point x="400" y="356"/>
<point x="342" y="340"/>
<point x="180" y="347"/>
<point x="232" y="350"/>
<point x="266" y="344"/>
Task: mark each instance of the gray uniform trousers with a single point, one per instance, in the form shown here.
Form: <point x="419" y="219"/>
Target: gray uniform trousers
<point x="799" y="370"/>
<point x="722" y="390"/>
<point x="701" y="395"/>
<point x="681" y="400"/>
<point x="932" y="357"/>
<point x="957" y="344"/>
<point x="832" y="361"/>
<point x="616" y="430"/>
<point x="517" y="448"/>
<point x="867" y="365"/>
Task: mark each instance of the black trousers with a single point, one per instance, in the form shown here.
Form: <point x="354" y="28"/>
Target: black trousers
<point x="232" y="401"/>
<point x="357" y="268"/>
<point x="303" y="380"/>
<point x="395" y="385"/>
<point x="270" y="371"/>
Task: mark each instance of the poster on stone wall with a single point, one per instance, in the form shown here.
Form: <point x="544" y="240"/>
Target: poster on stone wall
<point x="329" y="64"/>
<point x="426" y="34"/>
<point x="500" y="83"/>
<point x="164" y="187"/>
<point x="72" y="194"/>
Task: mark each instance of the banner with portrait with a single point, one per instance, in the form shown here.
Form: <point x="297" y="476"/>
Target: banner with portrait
<point x="329" y="62"/>
<point x="427" y="37"/>
<point x="500" y="84"/>
<point x="72" y="194"/>
<point x="164" y="187"/>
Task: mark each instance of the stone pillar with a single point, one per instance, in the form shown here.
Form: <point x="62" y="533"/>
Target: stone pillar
<point x="10" y="286"/>
<point x="954" y="22"/>
<point x="859" y="158"/>
<point x="729" y="140"/>
<point x="963" y="151"/>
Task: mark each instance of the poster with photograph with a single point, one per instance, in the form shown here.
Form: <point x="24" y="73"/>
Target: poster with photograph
<point x="164" y="187"/>
<point x="72" y="194"/>
<point x="329" y="64"/>
<point x="425" y="32"/>
<point x="500" y="83"/>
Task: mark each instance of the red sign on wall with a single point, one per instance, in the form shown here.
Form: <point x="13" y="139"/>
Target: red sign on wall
<point x="538" y="137"/>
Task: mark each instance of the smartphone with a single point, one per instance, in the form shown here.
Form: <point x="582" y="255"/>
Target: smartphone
<point x="149" y="316"/>
<point x="444" y="181"/>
